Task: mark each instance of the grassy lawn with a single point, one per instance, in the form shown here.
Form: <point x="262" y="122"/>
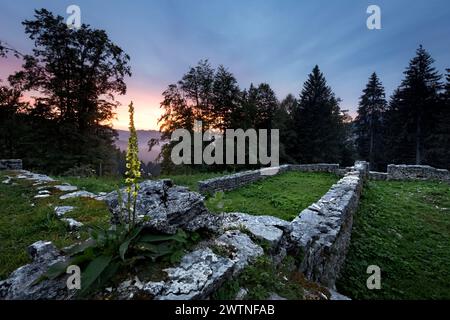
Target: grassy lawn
<point x="404" y="228"/>
<point x="283" y="196"/>
<point x="25" y="220"/>
<point x="191" y="180"/>
<point x="94" y="184"/>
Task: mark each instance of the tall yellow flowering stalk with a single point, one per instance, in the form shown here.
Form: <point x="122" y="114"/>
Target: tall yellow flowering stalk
<point x="133" y="172"/>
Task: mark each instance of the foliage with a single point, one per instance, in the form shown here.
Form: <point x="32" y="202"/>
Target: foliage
<point x="411" y="115"/>
<point x="319" y="123"/>
<point x="283" y="196"/>
<point x="108" y="251"/>
<point x="73" y="75"/>
<point x="369" y="123"/>
<point x="82" y="171"/>
<point x="404" y="228"/>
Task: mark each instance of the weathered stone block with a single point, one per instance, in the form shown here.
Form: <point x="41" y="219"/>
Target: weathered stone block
<point x="10" y="164"/>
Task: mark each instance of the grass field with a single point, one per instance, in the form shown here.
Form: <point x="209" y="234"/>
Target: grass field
<point x="25" y="220"/>
<point x="404" y="228"/>
<point x="191" y="180"/>
<point x="283" y="196"/>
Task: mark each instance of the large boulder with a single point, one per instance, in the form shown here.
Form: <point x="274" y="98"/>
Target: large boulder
<point x="160" y="205"/>
<point x="203" y="271"/>
<point x="265" y="228"/>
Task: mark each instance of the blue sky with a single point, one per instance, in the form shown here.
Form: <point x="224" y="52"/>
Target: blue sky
<point x="277" y="42"/>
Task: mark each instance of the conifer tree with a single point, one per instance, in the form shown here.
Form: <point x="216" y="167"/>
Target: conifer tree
<point x="412" y="109"/>
<point x="368" y="123"/>
<point x="318" y="122"/>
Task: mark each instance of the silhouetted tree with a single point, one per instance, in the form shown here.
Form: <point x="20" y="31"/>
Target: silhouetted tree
<point x="283" y="120"/>
<point x="76" y="73"/>
<point x="411" y="110"/>
<point x="369" y="122"/>
<point x="318" y="122"/>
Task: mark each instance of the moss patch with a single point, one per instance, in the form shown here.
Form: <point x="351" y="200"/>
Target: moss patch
<point x="263" y="278"/>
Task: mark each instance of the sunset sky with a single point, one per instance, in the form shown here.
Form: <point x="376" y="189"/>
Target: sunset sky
<point x="277" y="42"/>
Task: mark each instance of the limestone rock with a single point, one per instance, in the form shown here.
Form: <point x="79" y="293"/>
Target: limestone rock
<point x="7" y="180"/>
<point x="21" y="283"/>
<point x="242" y="293"/>
<point x="337" y="296"/>
<point x="198" y="275"/>
<point x="62" y="210"/>
<point x="41" y="196"/>
<point x="202" y="271"/>
<point x="78" y="194"/>
<point x="245" y="249"/>
<point x="10" y="164"/>
<point x="38" y="178"/>
<point x="275" y="296"/>
<point x="72" y="223"/>
<point x="66" y="188"/>
<point x="267" y="228"/>
<point x="160" y="205"/>
<point x="322" y="231"/>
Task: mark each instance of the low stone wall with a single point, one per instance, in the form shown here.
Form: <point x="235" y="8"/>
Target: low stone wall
<point x="10" y="164"/>
<point x="322" y="231"/>
<point x="415" y="172"/>
<point x="237" y="180"/>
<point x="374" y="175"/>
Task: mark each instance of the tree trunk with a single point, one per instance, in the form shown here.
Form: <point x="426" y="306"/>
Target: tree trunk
<point x="418" y="140"/>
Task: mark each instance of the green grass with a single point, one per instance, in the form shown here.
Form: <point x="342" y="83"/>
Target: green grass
<point x="283" y="196"/>
<point x="404" y="228"/>
<point x="191" y="180"/>
<point x="25" y="220"/>
<point x="94" y="184"/>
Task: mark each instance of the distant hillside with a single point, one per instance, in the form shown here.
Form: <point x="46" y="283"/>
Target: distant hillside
<point x="144" y="137"/>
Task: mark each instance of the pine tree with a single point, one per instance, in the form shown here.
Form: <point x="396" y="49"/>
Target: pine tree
<point x="266" y="103"/>
<point x="368" y="123"/>
<point x="438" y="141"/>
<point x="411" y="111"/>
<point x="318" y="122"/>
<point x="283" y="121"/>
<point x="226" y="99"/>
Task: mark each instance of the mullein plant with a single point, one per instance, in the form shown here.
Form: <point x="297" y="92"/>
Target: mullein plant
<point x="133" y="172"/>
<point x="107" y="252"/>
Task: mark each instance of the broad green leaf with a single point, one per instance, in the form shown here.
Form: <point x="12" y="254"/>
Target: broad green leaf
<point x="78" y="248"/>
<point x="93" y="272"/>
<point x="124" y="246"/>
<point x="180" y="236"/>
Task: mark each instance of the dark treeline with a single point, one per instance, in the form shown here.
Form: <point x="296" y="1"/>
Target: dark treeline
<point x="74" y="75"/>
<point x="313" y="128"/>
<point x="412" y="128"/>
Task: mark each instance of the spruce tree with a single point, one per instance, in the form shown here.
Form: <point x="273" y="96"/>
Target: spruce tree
<point x="318" y="122"/>
<point x="368" y="123"/>
<point x="412" y="110"/>
<point x="438" y="141"/>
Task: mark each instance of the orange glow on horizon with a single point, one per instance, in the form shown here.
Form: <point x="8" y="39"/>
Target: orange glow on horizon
<point x="146" y="114"/>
